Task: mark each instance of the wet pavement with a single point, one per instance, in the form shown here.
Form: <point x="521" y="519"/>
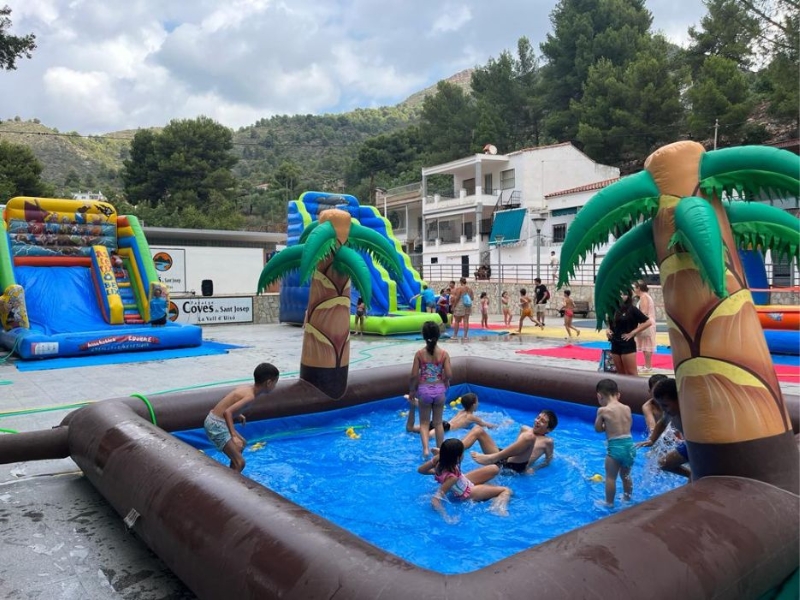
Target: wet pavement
<point x="60" y="540"/>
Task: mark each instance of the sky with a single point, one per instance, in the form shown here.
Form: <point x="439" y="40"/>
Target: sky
<point x="103" y="66"/>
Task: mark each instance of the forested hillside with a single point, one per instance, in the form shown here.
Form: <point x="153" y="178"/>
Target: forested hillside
<point x="602" y="79"/>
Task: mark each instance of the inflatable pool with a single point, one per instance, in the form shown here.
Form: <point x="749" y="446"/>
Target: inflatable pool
<point x="777" y="316"/>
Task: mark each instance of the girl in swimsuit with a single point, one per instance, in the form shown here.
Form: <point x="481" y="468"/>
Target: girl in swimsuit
<point x="430" y="379"/>
<point x="569" y="312"/>
<point x="446" y="469"/>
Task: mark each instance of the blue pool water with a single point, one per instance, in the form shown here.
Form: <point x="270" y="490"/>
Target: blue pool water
<point x="370" y="485"/>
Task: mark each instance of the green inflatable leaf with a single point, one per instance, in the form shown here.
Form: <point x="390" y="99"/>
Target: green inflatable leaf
<point x="382" y="250"/>
<point x="760" y="225"/>
<point x="307" y="231"/>
<point x="697" y="230"/>
<point x="626" y="259"/>
<point x="348" y="262"/>
<point x="626" y="201"/>
<point x="320" y="243"/>
<point x="280" y="265"/>
<point x="749" y="171"/>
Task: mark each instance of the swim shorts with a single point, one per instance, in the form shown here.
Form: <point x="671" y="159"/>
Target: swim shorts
<point x="622" y="450"/>
<point x="517" y="467"/>
<point x="526" y="312"/>
<point x="445" y="424"/>
<point x="429" y="393"/>
<point x="217" y="430"/>
<point x="681" y="449"/>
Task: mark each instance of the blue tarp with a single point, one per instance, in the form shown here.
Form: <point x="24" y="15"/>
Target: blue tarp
<point x="507" y="223"/>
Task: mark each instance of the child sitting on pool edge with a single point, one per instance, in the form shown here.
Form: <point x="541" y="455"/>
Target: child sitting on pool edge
<point x="219" y="422"/>
<point x="614" y="418"/>
<point x="446" y="468"/>
<point x="461" y="420"/>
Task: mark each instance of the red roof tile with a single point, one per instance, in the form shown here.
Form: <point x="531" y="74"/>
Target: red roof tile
<point x="597" y="185"/>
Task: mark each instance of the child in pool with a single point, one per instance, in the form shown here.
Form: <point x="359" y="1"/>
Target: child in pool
<point x="429" y="382"/>
<point x="651" y="410"/>
<point x="446" y="468"/>
<point x="615" y="419"/>
<point x="462" y="420"/>
<point x="219" y="422"/>
<point x="484" y="310"/>
<point x="506" y="309"/>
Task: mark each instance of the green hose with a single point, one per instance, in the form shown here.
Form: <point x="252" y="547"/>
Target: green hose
<point x="149" y="406"/>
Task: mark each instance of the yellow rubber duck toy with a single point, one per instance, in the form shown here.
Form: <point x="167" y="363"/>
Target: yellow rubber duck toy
<point x="351" y="433"/>
<point x="596" y="478"/>
<point x="258" y="446"/>
<point x="455" y="402"/>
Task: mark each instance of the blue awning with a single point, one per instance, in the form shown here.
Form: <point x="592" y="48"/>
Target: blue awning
<point x="507" y="223"/>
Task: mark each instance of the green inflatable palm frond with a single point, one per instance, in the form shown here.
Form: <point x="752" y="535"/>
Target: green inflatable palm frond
<point x="280" y="265"/>
<point x="307" y="231"/>
<point x="697" y="230"/>
<point x="348" y="262"/>
<point x="320" y="243"/>
<point x="380" y="249"/>
<point x="750" y="170"/>
<point x="626" y="259"/>
<point x="756" y="225"/>
<point x="626" y="201"/>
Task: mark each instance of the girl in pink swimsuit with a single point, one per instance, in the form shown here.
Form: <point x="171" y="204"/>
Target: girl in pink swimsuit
<point x="430" y="379"/>
<point x="446" y="469"/>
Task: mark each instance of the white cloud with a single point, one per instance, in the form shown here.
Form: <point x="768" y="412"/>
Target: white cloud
<point x="102" y="66"/>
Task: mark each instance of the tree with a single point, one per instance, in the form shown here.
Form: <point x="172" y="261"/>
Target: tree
<point x="20" y="173"/>
<point x="584" y="31"/>
<point x="720" y="92"/>
<point x="13" y="47"/>
<point x="448" y="122"/>
<point x="328" y="255"/>
<point x="730" y="400"/>
<point x="183" y="174"/>
<point x="727" y="31"/>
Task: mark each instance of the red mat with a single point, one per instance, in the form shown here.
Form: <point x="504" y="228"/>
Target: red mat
<point x="786" y="373"/>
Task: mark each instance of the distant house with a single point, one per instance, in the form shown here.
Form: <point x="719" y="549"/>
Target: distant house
<point x="98" y="195"/>
<point x="465" y="212"/>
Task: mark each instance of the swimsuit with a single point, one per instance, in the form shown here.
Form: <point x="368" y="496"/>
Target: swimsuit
<point x="681" y="449"/>
<point x="622" y="450"/>
<point x="461" y="489"/>
<point x="517" y="467"/>
<point x="445" y="425"/>
<point x="217" y="430"/>
<point x="431" y="387"/>
<point x="569" y="312"/>
<point x="526" y="312"/>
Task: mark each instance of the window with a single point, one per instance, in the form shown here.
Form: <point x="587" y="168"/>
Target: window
<point x="469" y="186"/>
<point x="487" y="184"/>
<point x="507" y="180"/>
<point x="559" y="233"/>
<point x="434" y="260"/>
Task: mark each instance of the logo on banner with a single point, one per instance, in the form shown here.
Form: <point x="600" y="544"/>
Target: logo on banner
<point x="163" y="261"/>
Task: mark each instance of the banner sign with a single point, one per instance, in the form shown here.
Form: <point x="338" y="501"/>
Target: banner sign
<point x="171" y="266"/>
<point x="208" y="310"/>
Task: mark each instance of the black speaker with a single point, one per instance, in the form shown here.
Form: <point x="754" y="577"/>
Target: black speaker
<point x="207" y="287"/>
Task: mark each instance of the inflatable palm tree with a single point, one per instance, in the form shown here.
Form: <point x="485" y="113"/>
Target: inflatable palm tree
<point x="328" y="255"/>
<point x="734" y="417"/>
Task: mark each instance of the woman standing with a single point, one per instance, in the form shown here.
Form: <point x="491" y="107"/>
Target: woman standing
<point x="623" y="327"/>
<point x="461" y="300"/>
<point x="646" y="340"/>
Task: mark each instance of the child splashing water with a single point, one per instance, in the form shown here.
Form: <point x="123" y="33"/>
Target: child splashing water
<point x="446" y="468"/>
<point x="430" y="380"/>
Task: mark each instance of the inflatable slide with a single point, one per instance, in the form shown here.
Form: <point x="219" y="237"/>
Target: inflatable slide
<point x="387" y="294"/>
<point x="78" y="279"/>
<point x="781" y="322"/>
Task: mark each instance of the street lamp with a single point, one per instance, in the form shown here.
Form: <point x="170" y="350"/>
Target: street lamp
<point x="499" y="243"/>
<point x="538" y="219"/>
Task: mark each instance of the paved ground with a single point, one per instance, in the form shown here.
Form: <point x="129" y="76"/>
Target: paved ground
<point x="59" y="540"/>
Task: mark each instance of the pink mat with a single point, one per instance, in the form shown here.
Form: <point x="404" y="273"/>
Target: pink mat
<point x="786" y="373"/>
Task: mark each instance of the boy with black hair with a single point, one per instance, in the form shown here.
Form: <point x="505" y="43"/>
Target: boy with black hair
<point x="665" y="393"/>
<point x="614" y="418"/>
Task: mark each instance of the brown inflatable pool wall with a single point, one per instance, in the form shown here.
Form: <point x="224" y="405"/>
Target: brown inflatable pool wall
<point x="228" y="537"/>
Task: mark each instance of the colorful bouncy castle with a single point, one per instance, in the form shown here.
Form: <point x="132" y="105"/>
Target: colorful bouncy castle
<point x="76" y="278"/>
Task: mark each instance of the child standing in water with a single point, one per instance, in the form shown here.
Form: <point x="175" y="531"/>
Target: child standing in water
<point x="506" y="309"/>
<point x="615" y="419"/>
<point x="484" y="310"/>
<point x="430" y="379"/>
<point x="569" y="312"/>
<point x="361" y="311"/>
<point x="446" y="468"/>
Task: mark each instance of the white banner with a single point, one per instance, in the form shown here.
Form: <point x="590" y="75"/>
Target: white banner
<point x="204" y="311"/>
<point x="171" y="266"/>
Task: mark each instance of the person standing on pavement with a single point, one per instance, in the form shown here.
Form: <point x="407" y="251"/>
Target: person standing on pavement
<point x="646" y="340"/>
<point x="542" y="295"/>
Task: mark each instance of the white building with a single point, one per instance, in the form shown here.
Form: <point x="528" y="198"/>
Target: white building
<point x="479" y="210"/>
<point x="90" y="195"/>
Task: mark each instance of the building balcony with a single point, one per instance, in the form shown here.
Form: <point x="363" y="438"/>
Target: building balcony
<point x="437" y="203"/>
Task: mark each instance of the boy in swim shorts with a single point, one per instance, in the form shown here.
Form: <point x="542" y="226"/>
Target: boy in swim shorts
<point x="614" y="418"/>
<point x="219" y="422"/>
